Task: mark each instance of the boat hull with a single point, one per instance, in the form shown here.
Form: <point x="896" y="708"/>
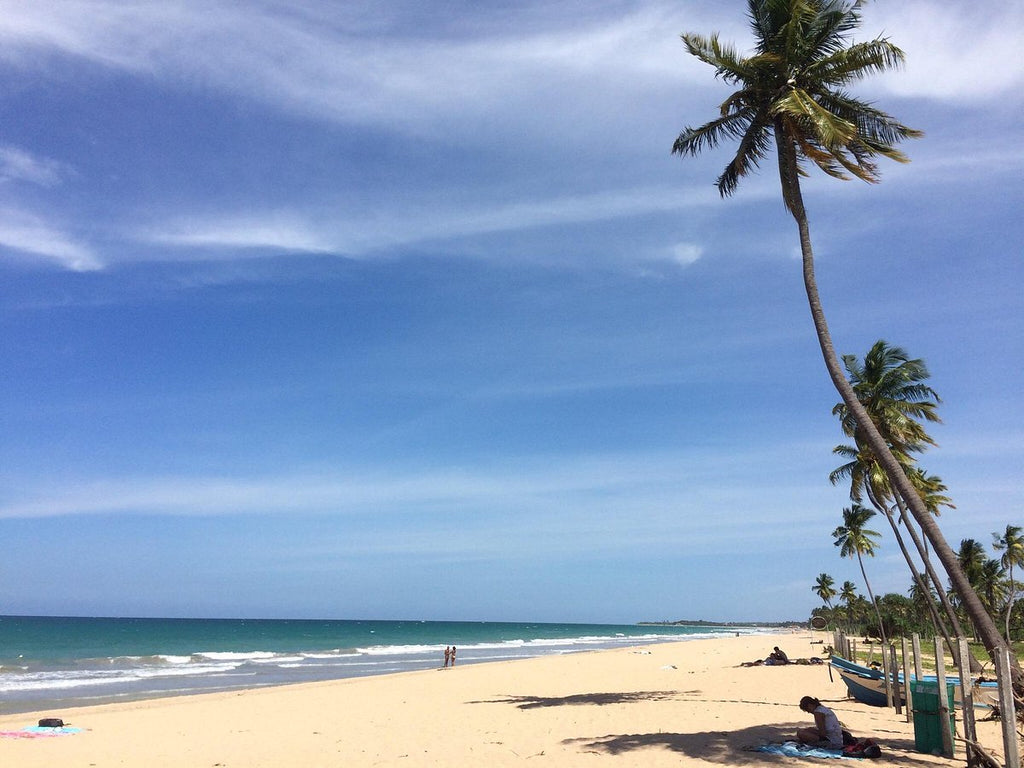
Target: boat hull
<point x="867" y="686"/>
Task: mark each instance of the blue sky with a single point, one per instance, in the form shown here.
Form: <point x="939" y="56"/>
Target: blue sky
<point x="405" y="310"/>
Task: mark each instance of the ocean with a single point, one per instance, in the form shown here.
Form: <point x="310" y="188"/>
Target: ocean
<point x="50" y="663"/>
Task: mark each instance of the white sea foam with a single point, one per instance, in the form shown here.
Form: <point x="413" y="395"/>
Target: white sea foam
<point x="54" y="680"/>
<point x="235" y="655"/>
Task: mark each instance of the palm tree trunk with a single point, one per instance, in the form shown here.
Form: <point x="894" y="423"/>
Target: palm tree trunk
<point x="1009" y="605"/>
<point x="918" y="578"/>
<point x="990" y="634"/>
<point x="881" y="630"/>
<point x="947" y="608"/>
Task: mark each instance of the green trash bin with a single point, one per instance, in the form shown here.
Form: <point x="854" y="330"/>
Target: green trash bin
<point x="927" y="721"/>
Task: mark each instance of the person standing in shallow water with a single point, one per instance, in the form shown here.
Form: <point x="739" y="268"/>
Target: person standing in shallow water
<point x="453" y="655"/>
<point x="447" y="655"/>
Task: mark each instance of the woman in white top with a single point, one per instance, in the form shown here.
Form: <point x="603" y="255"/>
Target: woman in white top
<point x="827" y="732"/>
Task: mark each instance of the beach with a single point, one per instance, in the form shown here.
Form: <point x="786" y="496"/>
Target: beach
<point x="689" y="703"/>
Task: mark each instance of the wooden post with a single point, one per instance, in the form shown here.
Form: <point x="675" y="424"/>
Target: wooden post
<point x="906" y="677"/>
<point x="918" y="672"/>
<point x="1007" y="713"/>
<point x="944" y="702"/>
<point x="966" y="696"/>
<point x="892" y="670"/>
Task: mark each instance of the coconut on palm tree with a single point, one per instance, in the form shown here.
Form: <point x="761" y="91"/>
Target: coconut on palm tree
<point x="791" y="93"/>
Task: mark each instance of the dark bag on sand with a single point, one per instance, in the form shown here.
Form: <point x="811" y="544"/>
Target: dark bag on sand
<point x="51" y="722"/>
<point x="863" y="748"/>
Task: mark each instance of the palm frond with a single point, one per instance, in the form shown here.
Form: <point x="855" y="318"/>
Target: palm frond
<point x="855" y="62"/>
<point x="693" y="140"/>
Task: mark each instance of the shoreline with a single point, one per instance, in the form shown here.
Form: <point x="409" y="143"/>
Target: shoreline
<point x="121" y="660"/>
<point x="686" y="702"/>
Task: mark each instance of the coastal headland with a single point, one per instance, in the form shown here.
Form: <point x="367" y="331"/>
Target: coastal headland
<point x="689" y="703"/>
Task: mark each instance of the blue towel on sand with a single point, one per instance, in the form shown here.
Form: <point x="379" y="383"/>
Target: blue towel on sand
<point x="53" y="731"/>
<point x="796" y="749"/>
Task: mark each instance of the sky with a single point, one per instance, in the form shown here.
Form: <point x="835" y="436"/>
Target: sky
<point x="404" y="310"/>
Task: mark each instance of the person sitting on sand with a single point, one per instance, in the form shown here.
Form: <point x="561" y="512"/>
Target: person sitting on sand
<point x="777" y="656"/>
<point x="827" y="732"/>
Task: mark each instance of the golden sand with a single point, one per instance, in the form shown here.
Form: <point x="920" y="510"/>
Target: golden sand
<point x="678" y="704"/>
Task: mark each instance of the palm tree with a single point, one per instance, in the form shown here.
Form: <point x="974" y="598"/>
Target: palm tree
<point x="848" y="594"/>
<point x="825" y="588"/>
<point x="1011" y="544"/>
<point x="853" y="538"/>
<point x="889" y="384"/>
<point x="972" y="557"/>
<point x="792" y="91"/>
<point x="923" y="599"/>
<point x="993" y="587"/>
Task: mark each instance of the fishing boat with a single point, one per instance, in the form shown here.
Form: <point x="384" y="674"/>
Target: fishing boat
<point x="867" y="685"/>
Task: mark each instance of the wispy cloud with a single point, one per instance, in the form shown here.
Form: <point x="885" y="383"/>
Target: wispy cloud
<point x="537" y="485"/>
<point x="28" y="234"/>
<point x="428" y="221"/>
<point x="348" y="67"/>
<point x="955" y="52"/>
<point x="16" y="164"/>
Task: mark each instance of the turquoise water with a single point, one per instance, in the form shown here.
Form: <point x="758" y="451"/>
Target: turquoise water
<point x="52" y="663"/>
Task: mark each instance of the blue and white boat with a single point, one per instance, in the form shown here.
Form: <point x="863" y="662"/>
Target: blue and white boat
<point x="867" y="685"/>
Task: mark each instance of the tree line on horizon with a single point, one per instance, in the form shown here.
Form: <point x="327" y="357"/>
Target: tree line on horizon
<point x="791" y="97"/>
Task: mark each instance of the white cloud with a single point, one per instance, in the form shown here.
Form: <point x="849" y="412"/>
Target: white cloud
<point x="960" y="52"/>
<point x="28" y="234"/>
<point x="353" y="234"/>
<point x="686" y="253"/>
<point x="18" y="165"/>
<point x="335" y="67"/>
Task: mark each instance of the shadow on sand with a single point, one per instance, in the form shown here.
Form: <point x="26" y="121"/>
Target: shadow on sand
<point x="734" y="747"/>
<point x="585" y="699"/>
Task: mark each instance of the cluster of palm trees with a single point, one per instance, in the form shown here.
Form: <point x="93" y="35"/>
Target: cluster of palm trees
<point x="895" y="615"/>
<point x="791" y="94"/>
<point x="891" y="387"/>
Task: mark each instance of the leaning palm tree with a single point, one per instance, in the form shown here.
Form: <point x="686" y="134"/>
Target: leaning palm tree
<point x="792" y="93"/>
<point x="1011" y="544"/>
<point x="890" y="385"/>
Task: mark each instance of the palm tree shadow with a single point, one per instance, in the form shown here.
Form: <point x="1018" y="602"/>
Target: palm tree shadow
<point x="737" y="747"/>
<point x="582" y="699"/>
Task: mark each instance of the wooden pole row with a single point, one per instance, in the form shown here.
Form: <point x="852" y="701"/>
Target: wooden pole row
<point x="900" y="692"/>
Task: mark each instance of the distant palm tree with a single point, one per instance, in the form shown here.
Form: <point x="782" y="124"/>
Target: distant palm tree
<point x="993" y="587"/>
<point x="854" y="538"/>
<point x="824" y="588"/>
<point x="923" y="599"/>
<point x="848" y="594"/>
<point x="972" y="557"/>
<point x="792" y="93"/>
<point x="1011" y="544"/>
